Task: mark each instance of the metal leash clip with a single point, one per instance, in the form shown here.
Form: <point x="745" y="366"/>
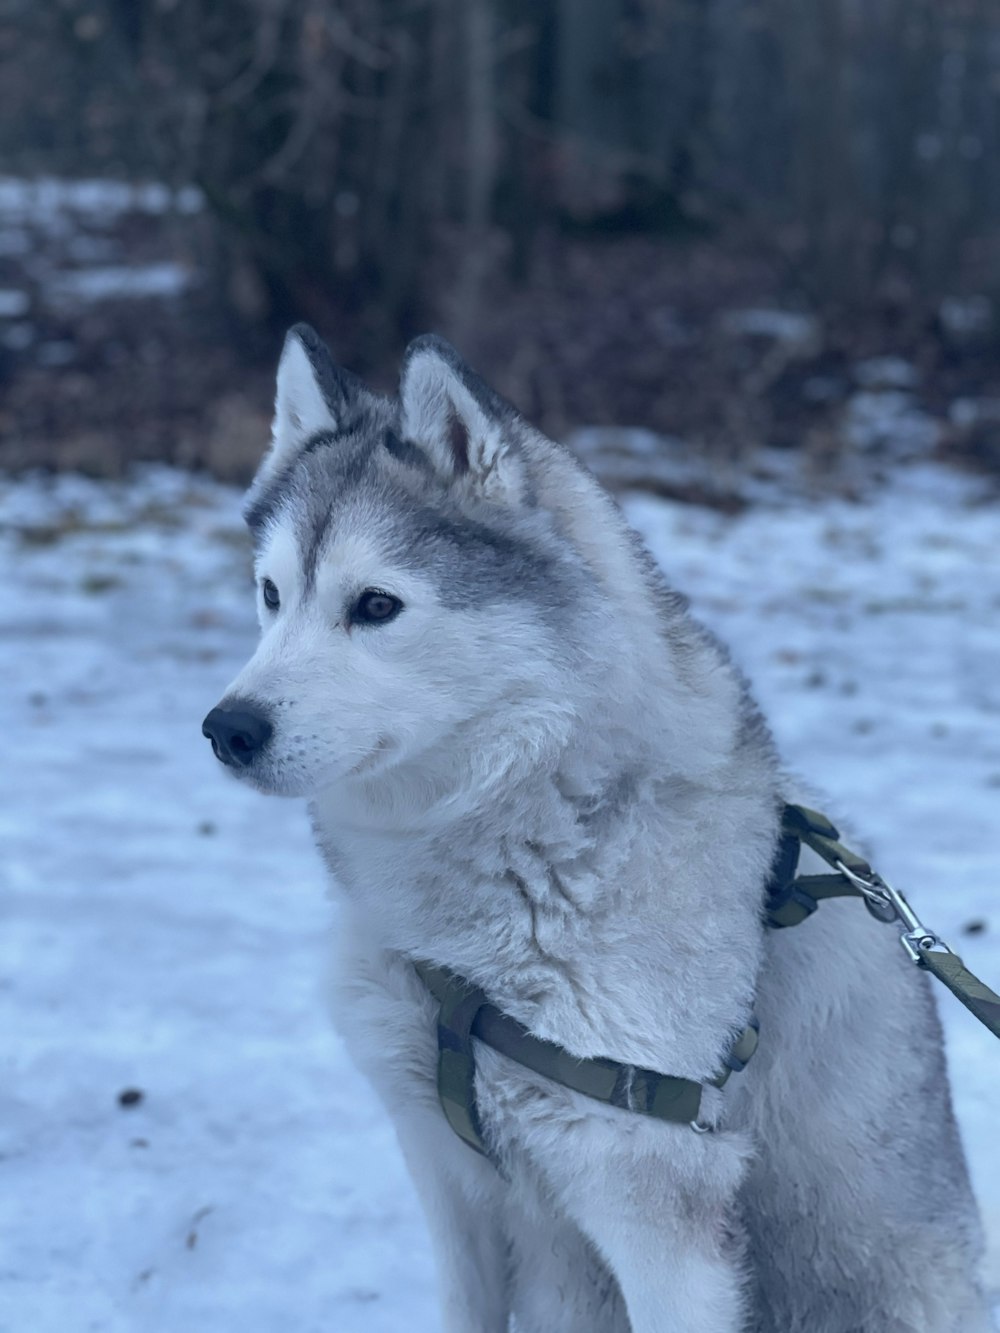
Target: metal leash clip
<point x="887" y="904"/>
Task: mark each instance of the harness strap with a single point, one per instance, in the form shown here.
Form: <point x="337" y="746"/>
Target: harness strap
<point x="792" y="897"/>
<point x="465" y="1013"/>
<point x="460" y="1007"/>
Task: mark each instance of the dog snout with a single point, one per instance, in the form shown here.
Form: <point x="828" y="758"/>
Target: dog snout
<point x="238" y="733"/>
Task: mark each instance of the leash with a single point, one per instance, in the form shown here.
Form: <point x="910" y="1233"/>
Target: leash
<point x="791" y="898"/>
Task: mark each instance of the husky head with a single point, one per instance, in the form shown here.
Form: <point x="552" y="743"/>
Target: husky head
<point x="414" y="598"/>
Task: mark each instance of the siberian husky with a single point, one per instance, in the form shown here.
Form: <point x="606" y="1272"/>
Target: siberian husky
<point x="526" y="763"/>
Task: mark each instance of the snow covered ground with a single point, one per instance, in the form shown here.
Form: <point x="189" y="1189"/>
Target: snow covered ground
<point x="163" y="928"/>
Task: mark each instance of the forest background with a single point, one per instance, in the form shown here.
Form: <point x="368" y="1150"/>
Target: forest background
<point x="736" y="223"/>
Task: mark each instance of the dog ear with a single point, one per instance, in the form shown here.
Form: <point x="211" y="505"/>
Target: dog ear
<point x="466" y="429"/>
<point x="313" y="397"/>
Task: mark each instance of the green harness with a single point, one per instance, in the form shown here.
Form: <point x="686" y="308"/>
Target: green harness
<point x="466" y="1013"/>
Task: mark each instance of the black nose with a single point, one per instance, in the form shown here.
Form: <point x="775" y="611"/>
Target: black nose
<point x="237" y="734"/>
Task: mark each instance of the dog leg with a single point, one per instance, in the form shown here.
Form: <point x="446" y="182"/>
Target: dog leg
<point x="675" y="1279"/>
<point x="462" y="1203"/>
<point x="560" y="1284"/>
<point x="660" y="1209"/>
<point x="388" y="1023"/>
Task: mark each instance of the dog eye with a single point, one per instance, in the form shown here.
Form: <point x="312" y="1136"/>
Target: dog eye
<point x="375" y="608"/>
<point x="271" y="599"/>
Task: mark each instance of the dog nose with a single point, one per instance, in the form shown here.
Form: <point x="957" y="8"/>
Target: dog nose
<point x="237" y="734"/>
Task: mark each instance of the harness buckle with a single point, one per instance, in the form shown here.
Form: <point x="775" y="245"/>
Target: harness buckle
<point x="887" y="904"/>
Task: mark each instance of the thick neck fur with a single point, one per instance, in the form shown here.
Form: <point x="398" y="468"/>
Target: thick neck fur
<point x="592" y="856"/>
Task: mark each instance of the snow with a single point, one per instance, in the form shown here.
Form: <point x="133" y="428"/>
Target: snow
<point x="966" y="316"/>
<point x="969" y="412"/>
<point x="50" y="198"/>
<point x="118" y="281"/>
<point x="795" y="329"/>
<point x="68" y="236"/>
<point x="886" y="372"/>
<point x="888" y="419"/>
<point x="12" y="303"/>
<point x="631" y="458"/>
<point x="164" y="928"/>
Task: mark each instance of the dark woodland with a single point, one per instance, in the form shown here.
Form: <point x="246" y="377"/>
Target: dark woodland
<point x="694" y="216"/>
